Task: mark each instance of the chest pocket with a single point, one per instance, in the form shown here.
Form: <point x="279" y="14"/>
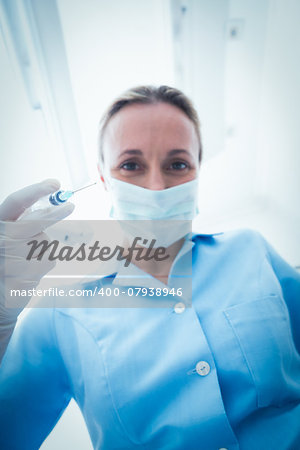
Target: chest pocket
<point x="263" y="330"/>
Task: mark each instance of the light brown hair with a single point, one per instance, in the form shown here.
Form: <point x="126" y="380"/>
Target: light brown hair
<point x="150" y="95"/>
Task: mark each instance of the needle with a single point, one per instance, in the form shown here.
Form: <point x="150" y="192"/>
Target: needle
<point x="84" y="187"/>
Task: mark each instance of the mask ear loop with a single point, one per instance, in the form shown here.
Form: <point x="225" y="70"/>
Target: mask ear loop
<point x="108" y="184"/>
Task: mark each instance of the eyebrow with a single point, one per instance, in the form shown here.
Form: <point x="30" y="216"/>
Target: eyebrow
<point x="131" y="152"/>
<point x="175" y="151"/>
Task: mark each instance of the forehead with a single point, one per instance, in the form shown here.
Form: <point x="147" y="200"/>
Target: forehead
<point x="142" y="124"/>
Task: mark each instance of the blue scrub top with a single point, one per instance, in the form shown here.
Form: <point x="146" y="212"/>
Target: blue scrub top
<point x="220" y="373"/>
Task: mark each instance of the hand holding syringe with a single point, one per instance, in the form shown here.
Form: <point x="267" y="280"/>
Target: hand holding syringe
<point x="58" y="198"/>
<point x="59" y="230"/>
<point x="17" y="227"/>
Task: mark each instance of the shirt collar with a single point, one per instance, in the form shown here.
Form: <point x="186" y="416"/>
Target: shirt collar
<point x="134" y="276"/>
<point x="121" y="274"/>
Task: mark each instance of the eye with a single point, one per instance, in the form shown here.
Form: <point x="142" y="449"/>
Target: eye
<point x="130" y="165"/>
<point x="179" y="165"/>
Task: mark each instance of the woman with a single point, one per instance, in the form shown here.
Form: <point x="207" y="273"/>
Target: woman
<point x="219" y="373"/>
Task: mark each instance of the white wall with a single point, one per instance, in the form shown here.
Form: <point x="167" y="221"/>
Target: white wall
<point x="278" y="155"/>
<point x="255" y="181"/>
<point x="227" y="180"/>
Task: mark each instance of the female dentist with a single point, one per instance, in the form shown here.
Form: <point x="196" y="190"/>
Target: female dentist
<point x="222" y="372"/>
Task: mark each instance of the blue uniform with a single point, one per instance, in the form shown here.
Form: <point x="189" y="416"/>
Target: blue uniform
<point x="223" y="372"/>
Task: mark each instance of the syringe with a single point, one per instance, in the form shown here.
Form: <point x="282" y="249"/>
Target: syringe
<point x="59" y="197"/>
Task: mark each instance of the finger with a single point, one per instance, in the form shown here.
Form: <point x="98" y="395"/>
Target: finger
<point x="12" y="299"/>
<point x="36" y="222"/>
<point x="10" y="248"/>
<point x="15" y="204"/>
<point x="20" y="262"/>
<point x="22" y="269"/>
<point x="43" y="250"/>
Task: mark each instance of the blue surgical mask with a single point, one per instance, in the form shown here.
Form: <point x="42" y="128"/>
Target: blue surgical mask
<point x="134" y="203"/>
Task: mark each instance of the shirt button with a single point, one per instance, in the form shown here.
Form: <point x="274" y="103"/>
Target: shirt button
<point x="202" y="368"/>
<point x="179" y="307"/>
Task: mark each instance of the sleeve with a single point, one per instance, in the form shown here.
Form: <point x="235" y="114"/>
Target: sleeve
<point x="289" y="280"/>
<point x="34" y="388"/>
